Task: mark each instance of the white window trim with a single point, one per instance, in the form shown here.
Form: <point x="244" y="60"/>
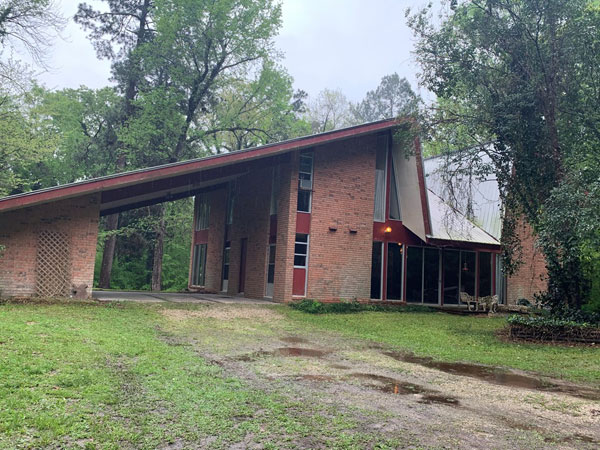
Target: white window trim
<point x="302" y="254"/>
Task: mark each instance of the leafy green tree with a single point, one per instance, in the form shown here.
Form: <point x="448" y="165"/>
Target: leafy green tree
<point x="522" y="74"/>
<point x="330" y="110"/>
<point x="393" y="97"/>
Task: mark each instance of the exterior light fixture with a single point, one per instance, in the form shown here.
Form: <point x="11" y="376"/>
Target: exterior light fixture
<point x="388" y="229"/>
<point x="465" y="267"/>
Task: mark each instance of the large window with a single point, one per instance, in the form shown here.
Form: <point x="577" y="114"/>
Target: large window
<point x="199" y="265"/>
<point x="422" y="275"/>
<point x="274" y="190"/>
<point x="376" y="267"/>
<point x="226" y="259"/>
<point x="459" y="274"/>
<point x="271" y="271"/>
<point x="305" y="182"/>
<point x="380" y="178"/>
<point x="485" y="274"/>
<point x="202" y="212"/>
<point x="394" y="198"/>
<point x="301" y="251"/>
<point x="394" y="271"/>
<point x="231" y="191"/>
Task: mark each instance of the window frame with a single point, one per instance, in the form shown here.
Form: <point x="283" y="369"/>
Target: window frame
<point x="384" y="200"/>
<point x="307" y="243"/>
<point x="195" y="281"/>
<point x="202" y="211"/>
<point x="308" y="191"/>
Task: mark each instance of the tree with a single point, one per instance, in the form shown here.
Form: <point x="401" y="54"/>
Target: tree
<point x="522" y="74"/>
<point x="329" y="111"/>
<point x="25" y="26"/>
<point x="392" y="98"/>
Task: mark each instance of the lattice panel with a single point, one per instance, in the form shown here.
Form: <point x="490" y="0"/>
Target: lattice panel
<point x="53" y="264"/>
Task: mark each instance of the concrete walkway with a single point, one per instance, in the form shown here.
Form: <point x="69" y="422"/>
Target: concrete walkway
<point x="174" y="297"/>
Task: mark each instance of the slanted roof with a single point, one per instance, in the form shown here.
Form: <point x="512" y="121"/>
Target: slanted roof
<point x="171" y="181"/>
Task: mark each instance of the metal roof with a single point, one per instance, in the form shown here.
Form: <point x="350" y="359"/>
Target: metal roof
<point x="449" y="224"/>
<point x="483" y="194"/>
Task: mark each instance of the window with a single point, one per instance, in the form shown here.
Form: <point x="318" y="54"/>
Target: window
<point x="202" y="212"/>
<point x="394" y="199"/>
<point x="376" y="267"/>
<point x="394" y="271"/>
<point x="226" y="258"/>
<point x="199" y="265"/>
<point x="301" y="251"/>
<point x="231" y="188"/>
<point x="305" y="182"/>
<point x="274" y="190"/>
<point x="459" y="274"/>
<point x="431" y="275"/>
<point x="414" y="274"/>
<point x="380" y="178"/>
<point x="485" y="274"/>
<point x="422" y="275"/>
<point x="271" y="271"/>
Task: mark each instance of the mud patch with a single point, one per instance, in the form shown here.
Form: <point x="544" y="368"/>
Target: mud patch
<point x="294" y="340"/>
<point x="284" y="351"/>
<point x="573" y="439"/>
<point x="319" y="378"/>
<point x="222" y="313"/>
<point x="339" y="367"/>
<point x="397" y="387"/>
<point x="495" y="375"/>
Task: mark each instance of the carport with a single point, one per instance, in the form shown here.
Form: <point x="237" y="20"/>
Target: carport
<point x="48" y="237"/>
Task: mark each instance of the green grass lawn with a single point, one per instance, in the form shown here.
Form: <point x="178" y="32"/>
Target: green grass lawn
<point x="108" y="376"/>
<point x="111" y="375"/>
<point x="460" y="338"/>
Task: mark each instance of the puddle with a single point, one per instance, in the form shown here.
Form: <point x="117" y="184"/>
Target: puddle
<point x="496" y="376"/>
<point x="294" y="340"/>
<point x="397" y="387"/>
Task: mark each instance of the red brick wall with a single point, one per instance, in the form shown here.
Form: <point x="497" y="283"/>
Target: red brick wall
<point x="343" y="197"/>
<point x="530" y="278"/>
<point x="77" y="217"/>
<point x="286" y="230"/>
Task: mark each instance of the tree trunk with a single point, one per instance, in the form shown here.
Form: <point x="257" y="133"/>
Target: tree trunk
<point x="158" y="251"/>
<point x="112" y="223"/>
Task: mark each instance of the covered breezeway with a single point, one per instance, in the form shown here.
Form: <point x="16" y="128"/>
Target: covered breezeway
<point x="48" y="237"/>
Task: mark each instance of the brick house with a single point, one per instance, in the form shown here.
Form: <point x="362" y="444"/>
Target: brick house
<point x="339" y="215"/>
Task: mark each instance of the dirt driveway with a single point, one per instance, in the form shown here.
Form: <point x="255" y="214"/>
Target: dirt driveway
<point x="397" y="395"/>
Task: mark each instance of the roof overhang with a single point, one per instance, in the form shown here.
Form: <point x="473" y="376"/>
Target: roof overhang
<point x="178" y="180"/>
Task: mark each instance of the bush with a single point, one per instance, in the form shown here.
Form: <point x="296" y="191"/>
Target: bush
<point x="345" y="307"/>
<point x="548" y="328"/>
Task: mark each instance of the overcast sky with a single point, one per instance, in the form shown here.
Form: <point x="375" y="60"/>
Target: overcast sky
<point x="345" y="44"/>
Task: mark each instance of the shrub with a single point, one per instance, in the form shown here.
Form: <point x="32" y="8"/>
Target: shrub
<point x="549" y="328"/>
<point x="345" y="307"/>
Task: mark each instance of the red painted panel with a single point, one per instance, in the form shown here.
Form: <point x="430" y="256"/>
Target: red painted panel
<point x="299" y="283"/>
<point x="399" y="233"/>
<point x="201" y="237"/>
<point x="303" y="223"/>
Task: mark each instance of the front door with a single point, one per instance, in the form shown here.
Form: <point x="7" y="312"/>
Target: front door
<point x="243" y="247"/>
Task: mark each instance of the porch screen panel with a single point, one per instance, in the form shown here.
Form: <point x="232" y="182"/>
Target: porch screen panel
<point x="376" y="266"/>
<point x="394" y="272"/>
<point x="431" y="275"/>
<point x="467" y="272"/>
<point x="451" y="269"/>
<point x="380" y="165"/>
<point x="485" y="274"/>
<point x="414" y="274"/>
